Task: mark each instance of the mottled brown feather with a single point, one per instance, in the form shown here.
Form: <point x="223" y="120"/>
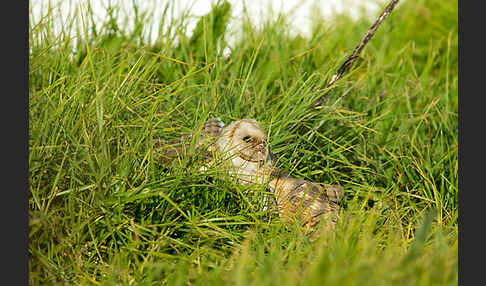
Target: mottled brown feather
<point x="167" y="150"/>
<point x="306" y="201"/>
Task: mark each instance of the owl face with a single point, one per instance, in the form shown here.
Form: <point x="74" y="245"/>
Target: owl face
<point x="245" y="147"/>
<point x="249" y="141"/>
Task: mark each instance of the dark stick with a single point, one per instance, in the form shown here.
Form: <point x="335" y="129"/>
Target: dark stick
<point x="354" y="55"/>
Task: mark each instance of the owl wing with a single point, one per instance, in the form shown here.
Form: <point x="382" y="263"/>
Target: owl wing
<point x="306" y="200"/>
<point x="167" y="150"/>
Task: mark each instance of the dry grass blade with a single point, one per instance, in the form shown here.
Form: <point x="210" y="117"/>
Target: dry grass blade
<point x="357" y="51"/>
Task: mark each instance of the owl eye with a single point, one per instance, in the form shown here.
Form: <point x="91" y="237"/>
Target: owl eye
<point x="247" y="139"/>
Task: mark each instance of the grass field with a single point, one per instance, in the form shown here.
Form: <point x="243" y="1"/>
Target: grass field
<point x="104" y="211"/>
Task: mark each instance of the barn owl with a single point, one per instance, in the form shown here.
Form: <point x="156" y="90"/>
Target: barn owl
<point x="242" y="147"/>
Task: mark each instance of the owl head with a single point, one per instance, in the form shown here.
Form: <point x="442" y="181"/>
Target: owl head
<point x="248" y="141"/>
<point x="245" y="147"/>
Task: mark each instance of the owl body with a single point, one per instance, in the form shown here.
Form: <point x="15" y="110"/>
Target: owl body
<point x="304" y="200"/>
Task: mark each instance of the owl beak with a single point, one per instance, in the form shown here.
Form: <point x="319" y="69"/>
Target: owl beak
<point x="261" y="147"/>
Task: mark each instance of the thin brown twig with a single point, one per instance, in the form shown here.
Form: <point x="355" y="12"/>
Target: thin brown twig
<point x="357" y="50"/>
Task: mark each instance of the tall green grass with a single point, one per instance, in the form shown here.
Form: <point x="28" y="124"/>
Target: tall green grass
<point x="104" y="211"/>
